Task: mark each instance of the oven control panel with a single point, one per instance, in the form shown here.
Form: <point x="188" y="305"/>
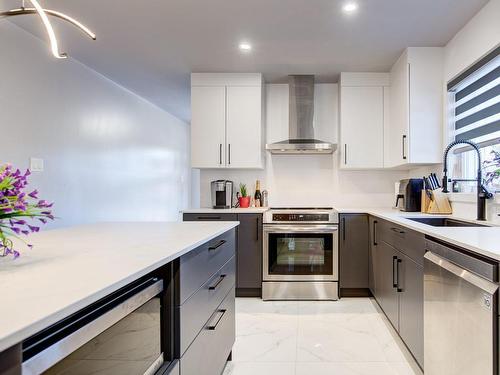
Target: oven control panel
<point x="301" y="217"/>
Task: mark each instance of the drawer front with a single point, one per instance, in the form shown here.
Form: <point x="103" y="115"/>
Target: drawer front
<point x="199" y="265"/>
<point x="210" y="217"/>
<point x="196" y="311"/>
<point x="208" y="354"/>
<point x="409" y="242"/>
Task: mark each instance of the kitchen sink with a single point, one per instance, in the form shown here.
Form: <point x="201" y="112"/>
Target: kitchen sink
<point x="444" y="222"/>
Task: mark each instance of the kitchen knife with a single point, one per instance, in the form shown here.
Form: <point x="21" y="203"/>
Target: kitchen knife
<point x="427" y="187"/>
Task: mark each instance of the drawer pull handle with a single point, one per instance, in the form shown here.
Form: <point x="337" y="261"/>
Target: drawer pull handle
<point x="209" y="218"/>
<point x="394" y="276"/>
<point x="214" y="327"/>
<point x="217" y="245"/>
<point x="398" y="288"/>
<point x="213" y="287"/>
<point x="397" y="230"/>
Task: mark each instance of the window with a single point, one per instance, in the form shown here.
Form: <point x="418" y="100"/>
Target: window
<point x="475" y="116"/>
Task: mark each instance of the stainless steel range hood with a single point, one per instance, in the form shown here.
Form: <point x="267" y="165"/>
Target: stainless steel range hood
<point x="301" y="128"/>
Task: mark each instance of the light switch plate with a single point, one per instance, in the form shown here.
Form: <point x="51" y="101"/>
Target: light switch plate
<point x="36" y="165"/>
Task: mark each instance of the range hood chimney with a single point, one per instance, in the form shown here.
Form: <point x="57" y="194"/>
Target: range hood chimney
<point x="301" y="127"/>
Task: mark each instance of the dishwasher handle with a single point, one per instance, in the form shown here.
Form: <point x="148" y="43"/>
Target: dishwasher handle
<point x="460" y="272"/>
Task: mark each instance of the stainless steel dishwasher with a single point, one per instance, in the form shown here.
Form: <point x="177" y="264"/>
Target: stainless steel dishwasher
<point x="460" y="312"/>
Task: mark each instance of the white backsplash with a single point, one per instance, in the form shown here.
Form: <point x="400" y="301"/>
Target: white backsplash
<point x="310" y="181"/>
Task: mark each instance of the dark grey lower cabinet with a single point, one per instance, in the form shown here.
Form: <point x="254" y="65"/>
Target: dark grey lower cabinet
<point x="387" y="295"/>
<point x="353" y="252"/>
<point x="411" y="306"/>
<point x="204" y="317"/>
<point x="10" y="361"/>
<point x="248" y="249"/>
<point x="397" y="280"/>
<point x="249" y="254"/>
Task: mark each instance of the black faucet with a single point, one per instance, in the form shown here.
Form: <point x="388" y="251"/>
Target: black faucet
<point x="482" y="192"/>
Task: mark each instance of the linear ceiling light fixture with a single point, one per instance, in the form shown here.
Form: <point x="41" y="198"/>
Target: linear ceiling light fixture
<point x="43" y="13"/>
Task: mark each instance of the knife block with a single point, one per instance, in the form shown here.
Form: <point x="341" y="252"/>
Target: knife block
<point x="439" y="204"/>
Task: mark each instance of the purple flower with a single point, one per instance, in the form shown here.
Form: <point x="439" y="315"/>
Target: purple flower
<point x="17" y="204"/>
<point x="33" y="228"/>
<point x="15" y="230"/>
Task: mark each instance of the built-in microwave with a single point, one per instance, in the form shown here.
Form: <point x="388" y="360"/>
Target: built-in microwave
<point x="125" y="333"/>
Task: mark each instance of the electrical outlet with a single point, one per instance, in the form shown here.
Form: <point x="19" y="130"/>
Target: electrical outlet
<point x="36" y="165"/>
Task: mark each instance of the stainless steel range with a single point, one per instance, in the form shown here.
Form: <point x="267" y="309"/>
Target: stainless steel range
<point x="300" y="260"/>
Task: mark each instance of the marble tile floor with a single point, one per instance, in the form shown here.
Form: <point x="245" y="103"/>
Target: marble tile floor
<point x="346" y="337"/>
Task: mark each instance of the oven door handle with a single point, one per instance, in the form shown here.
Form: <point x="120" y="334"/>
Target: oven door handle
<point x="305" y="228"/>
<point x="48" y="357"/>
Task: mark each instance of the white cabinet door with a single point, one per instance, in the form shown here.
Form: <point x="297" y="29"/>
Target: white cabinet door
<point x="244" y="127"/>
<point x="362" y="127"/>
<point x="397" y="130"/>
<point x="208" y="126"/>
<point x="414" y="131"/>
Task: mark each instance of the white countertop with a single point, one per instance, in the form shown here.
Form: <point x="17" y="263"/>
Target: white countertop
<point x="71" y="268"/>
<point x="481" y="240"/>
<point x="209" y="210"/>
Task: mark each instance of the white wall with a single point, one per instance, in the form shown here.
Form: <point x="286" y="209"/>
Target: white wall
<point x="109" y="155"/>
<point x="308" y="180"/>
<point x="479" y="36"/>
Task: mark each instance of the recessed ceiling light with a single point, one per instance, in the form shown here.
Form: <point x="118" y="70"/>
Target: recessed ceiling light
<point x="245" y="47"/>
<point x="350" y="7"/>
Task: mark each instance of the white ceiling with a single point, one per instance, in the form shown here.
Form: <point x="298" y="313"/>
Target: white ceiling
<point x="150" y="47"/>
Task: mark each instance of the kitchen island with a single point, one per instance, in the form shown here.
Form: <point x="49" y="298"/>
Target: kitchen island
<point x="73" y="268"/>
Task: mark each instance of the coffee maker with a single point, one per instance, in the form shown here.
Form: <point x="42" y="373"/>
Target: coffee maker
<point x="222" y="193"/>
<point x="410" y="192"/>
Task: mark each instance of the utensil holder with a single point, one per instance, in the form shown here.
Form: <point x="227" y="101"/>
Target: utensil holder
<point x="437" y="204"/>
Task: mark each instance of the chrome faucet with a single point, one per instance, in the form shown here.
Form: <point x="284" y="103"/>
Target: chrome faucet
<point x="482" y="192"/>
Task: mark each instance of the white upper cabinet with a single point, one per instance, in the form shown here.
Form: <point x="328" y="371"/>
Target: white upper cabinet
<point x="363" y="106"/>
<point x="227" y="120"/>
<point x="413" y="134"/>
<point x="244" y="133"/>
<point x="208" y="126"/>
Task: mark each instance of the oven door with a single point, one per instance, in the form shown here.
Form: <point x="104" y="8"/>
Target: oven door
<point x="300" y="252"/>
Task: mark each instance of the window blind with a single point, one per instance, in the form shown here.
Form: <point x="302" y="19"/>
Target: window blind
<point x="476" y="99"/>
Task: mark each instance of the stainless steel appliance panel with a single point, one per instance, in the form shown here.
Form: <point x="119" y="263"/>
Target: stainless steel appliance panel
<point x="297" y="290"/>
<point x="124" y="340"/>
<point x="307" y="260"/>
<point x="460" y="318"/>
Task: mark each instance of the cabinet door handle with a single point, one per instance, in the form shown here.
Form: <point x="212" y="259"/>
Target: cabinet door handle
<point x="394" y="276"/>
<point x="404" y="152"/>
<point x="343" y="229"/>
<point x="217" y="245"/>
<point x="229" y="153"/>
<point x="220" y="153"/>
<point x="345" y="154"/>
<point x="375" y="233"/>
<point x="221" y="278"/>
<point x="214" y="326"/>
<point x="258" y="225"/>
<point x="399" y="290"/>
